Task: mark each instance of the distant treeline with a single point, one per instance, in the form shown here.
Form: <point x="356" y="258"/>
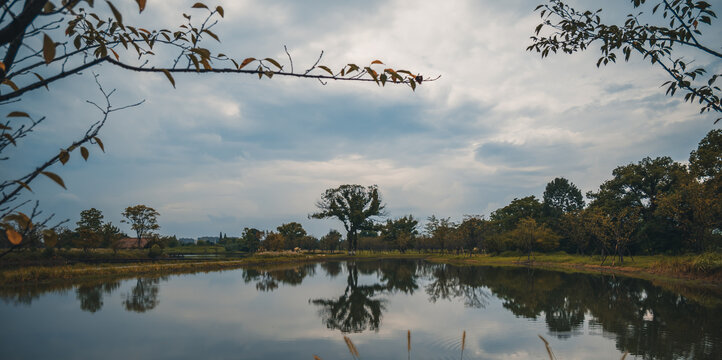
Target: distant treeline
<point x="654" y="206"/>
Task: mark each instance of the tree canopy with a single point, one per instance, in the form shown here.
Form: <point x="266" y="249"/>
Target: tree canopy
<point x="354" y="205"/>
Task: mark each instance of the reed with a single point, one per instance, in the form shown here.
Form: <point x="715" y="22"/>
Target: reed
<point x="351" y="347"/>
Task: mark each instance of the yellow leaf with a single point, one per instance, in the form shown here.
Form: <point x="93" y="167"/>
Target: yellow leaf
<point x="118" y="16"/>
<point x="24" y="185"/>
<point x="326" y="68"/>
<point x="84" y="153"/>
<point x="64" y="156"/>
<point x="18" y="114"/>
<point x="48" y="49"/>
<point x="14" y="237"/>
<point x="274" y="62"/>
<point x="220" y="10"/>
<point x="55" y="178"/>
<point x="100" y="143"/>
<point x="141" y="5"/>
<point x="11" y="84"/>
<point x="246" y="62"/>
<point x="2" y="66"/>
<point x="10" y="138"/>
<point x="168" y="75"/>
<point x="199" y="6"/>
<point x="41" y="79"/>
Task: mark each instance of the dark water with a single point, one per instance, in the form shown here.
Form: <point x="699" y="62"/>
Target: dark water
<point x="295" y="312"/>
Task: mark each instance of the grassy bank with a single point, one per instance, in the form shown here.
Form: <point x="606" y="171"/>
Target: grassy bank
<point x="703" y="269"/>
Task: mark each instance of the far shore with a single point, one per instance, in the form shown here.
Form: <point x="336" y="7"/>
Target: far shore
<point x="686" y="270"/>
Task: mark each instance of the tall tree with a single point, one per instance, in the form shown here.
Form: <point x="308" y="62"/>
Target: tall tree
<point x="400" y="233"/>
<point x="354" y="205"/>
<point x="251" y="239"/>
<point x="508" y="216"/>
<point x="667" y="37"/>
<point x="640" y="186"/>
<point x="142" y="220"/>
<point x="561" y="196"/>
<point x="90" y="228"/>
<point x="330" y="241"/>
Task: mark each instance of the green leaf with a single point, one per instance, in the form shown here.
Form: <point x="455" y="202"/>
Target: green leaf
<point x="55" y="178"/>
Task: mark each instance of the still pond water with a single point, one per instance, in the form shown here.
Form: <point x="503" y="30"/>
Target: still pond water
<point x="297" y="311"/>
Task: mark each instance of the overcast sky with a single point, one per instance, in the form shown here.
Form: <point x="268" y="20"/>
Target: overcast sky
<point x="224" y="152"/>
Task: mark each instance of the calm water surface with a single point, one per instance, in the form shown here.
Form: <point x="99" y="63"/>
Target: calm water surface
<point x="297" y="311"/>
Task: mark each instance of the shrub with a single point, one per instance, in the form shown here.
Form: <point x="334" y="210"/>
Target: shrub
<point x="155" y="251"/>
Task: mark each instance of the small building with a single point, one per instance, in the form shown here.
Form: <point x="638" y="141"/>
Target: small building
<point x="132" y="243"/>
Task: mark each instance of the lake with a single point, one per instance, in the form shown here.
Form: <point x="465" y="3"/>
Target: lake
<point x="297" y="311"/>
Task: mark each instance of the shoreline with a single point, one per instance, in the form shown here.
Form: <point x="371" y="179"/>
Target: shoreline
<point x="652" y="268"/>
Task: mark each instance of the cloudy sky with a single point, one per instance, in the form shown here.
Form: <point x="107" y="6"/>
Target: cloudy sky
<point x="223" y="152"/>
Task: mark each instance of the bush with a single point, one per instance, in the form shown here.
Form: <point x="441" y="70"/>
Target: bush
<point x="155" y="251"/>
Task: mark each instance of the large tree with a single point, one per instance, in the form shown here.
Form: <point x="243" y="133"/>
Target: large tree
<point x="667" y="35"/>
<point x="640" y="186"/>
<point x="42" y="42"/>
<point x="142" y="219"/>
<point x="293" y="234"/>
<point x="90" y="228"/>
<point x="354" y="205"/>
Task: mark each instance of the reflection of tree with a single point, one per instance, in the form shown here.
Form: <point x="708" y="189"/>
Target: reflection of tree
<point x="357" y="309"/>
<point x="144" y="295"/>
<point x="644" y="319"/>
<point x="91" y="296"/>
<point x="332" y="268"/>
<point x="450" y="282"/>
<point x="268" y="279"/>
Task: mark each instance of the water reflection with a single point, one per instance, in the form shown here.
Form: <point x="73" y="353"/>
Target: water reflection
<point x="91" y="296"/>
<point x="144" y="295"/>
<point x="646" y="320"/>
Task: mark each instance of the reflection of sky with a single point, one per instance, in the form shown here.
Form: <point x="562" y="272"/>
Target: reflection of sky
<point x="218" y="315"/>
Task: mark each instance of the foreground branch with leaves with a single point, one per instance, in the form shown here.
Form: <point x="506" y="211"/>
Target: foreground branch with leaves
<point x="677" y="28"/>
<point x="42" y="42"/>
